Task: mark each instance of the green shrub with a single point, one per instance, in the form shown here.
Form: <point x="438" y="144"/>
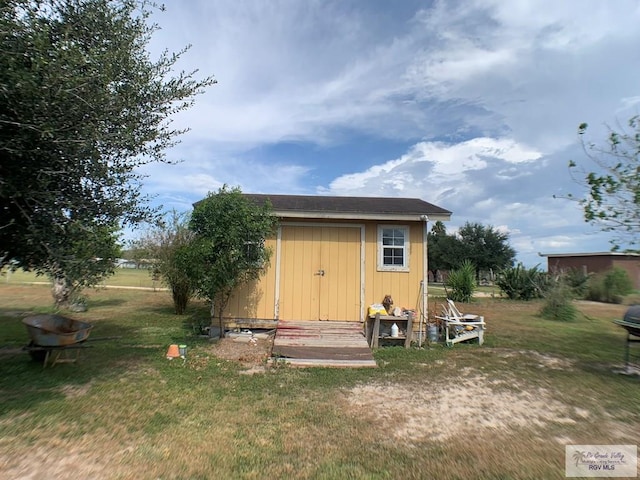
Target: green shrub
<point x="557" y="305"/>
<point x="462" y="282"/>
<point x="520" y="283"/>
<point x="578" y="281"/>
<point x="610" y="286"/>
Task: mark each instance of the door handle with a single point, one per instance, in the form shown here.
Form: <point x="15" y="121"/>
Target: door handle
<point x="320" y="272"/>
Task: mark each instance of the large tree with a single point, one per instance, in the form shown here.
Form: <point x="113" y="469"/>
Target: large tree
<point x="486" y="247"/>
<point x="82" y="106"/>
<point x="229" y="249"/>
<point x="612" y="190"/>
<point x="443" y="250"/>
<point x="483" y="246"/>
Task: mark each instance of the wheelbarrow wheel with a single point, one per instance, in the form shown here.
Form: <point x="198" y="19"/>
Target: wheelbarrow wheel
<point x="37" y="355"/>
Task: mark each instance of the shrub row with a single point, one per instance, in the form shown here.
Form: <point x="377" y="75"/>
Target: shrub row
<point x="520" y="283"/>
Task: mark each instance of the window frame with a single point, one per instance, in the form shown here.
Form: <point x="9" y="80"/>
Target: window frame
<point x="406" y="249"/>
<point x="249" y="245"/>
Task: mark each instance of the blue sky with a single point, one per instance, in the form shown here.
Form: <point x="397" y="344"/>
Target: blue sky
<point x="470" y="105"/>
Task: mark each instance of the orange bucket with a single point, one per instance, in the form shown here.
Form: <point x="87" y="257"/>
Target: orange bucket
<point x="173" y="352"/>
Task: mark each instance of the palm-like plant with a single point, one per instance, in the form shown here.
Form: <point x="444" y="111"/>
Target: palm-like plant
<point x="462" y="282"/>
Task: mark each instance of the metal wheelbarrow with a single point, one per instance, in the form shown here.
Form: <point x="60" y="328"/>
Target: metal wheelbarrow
<point x="52" y="333"/>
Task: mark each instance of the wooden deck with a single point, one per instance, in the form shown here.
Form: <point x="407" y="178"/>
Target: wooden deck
<point x="322" y="344"/>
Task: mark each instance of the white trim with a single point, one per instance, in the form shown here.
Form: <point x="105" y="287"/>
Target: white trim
<point x="363" y="251"/>
<point x="380" y="248"/>
<point x="375" y="217"/>
<point x="321" y="224"/>
<point x="276" y="304"/>
<point x="424" y="319"/>
<point x="592" y="254"/>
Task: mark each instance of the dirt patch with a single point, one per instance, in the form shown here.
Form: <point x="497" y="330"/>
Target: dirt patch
<point x="70" y="460"/>
<point x="551" y="362"/>
<point x="74" y="391"/>
<point x="249" y="352"/>
<point x="469" y="405"/>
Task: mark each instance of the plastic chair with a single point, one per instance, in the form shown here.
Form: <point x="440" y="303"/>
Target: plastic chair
<point x="460" y="327"/>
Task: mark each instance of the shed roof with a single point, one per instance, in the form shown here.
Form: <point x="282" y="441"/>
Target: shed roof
<point x="355" y="208"/>
<point x="590" y="254"/>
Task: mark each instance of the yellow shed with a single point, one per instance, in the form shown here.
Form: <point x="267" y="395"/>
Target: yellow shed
<point x="335" y="256"/>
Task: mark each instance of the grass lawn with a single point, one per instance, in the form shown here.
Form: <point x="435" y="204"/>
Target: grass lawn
<point x="438" y="290"/>
<point x="131" y="277"/>
<point x="505" y="410"/>
<point x="123" y="277"/>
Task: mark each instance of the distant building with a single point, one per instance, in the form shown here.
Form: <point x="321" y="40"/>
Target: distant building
<point x="595" y="263"/>
<point x="124" y="263"/>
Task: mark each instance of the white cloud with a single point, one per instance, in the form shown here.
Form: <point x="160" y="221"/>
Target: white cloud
<point x="291" y="70"/>
<point x="179" y="186"/>
<point x="443" y="167"/>
<point x="469" y="179"/>
<point x="480" y="98"/>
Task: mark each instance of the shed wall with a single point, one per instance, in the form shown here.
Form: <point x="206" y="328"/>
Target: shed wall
<point x="597" y="264"/>
<point x="257" y="301"/>
<point x="404" y="287"/>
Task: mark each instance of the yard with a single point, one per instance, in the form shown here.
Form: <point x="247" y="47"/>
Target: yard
<point x="504" y="410"/>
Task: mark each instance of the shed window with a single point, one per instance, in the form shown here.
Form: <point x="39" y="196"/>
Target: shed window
<point x="253" y="253"/>
<point x="393" y="248"/>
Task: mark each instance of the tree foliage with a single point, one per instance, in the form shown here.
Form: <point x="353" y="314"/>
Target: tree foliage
<point x="443" y="250"/>
<point x="164" y="245"/>
<point x="229" y="248"/>
<point x="484" y="246"/>
<point x="578" y="281"/>
<point x="612" y="192"/>
<point x="82" y="106"/>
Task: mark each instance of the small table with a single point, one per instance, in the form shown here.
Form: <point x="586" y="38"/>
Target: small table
<point x="377" y="327"/>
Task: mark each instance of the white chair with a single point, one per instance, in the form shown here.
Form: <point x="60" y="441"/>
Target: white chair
<point x="459" y="327"/>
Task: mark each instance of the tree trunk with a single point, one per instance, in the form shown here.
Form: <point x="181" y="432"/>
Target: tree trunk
<point x="212" y="313"/>
<point x="220" y="320"/>
<point x="221" y="326"/>
<point x="223" y="301"/>
<point x="181" y="297"/>
<point x="61" y="291"/>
